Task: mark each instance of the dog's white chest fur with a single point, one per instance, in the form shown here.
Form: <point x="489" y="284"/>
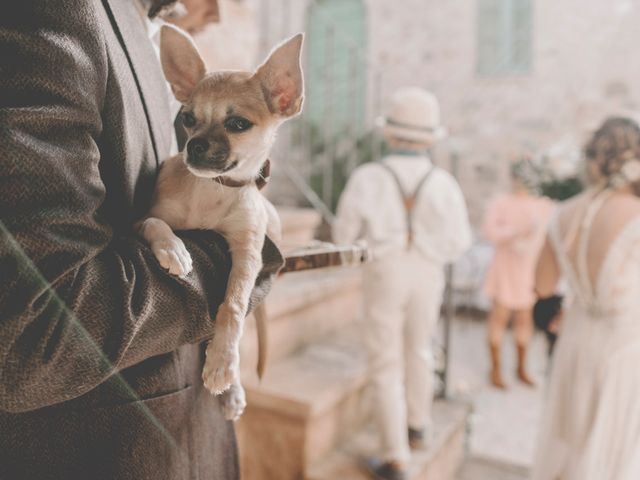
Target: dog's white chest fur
<point x="207" y="205"/>
<point x="188" y="202"/>
<point x="204" y="208"/>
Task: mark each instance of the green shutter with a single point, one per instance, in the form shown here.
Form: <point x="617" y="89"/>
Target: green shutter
<point x="522" y="36"/>
<point x="504" y="36"/>
<point x="490" y="25"/>
<point x="337" y="32"/>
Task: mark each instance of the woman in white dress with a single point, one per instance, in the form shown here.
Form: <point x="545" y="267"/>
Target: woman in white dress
<point x="591" y="423"/>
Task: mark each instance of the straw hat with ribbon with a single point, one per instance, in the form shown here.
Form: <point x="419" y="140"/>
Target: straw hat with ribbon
<point x="413" y="115"/>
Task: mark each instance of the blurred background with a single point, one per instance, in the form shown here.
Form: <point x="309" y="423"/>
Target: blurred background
<point x="514" y="78"/>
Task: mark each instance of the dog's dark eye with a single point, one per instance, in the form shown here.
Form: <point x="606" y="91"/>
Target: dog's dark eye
<point x="237" y="124"/>
<point x="188" y="120"/>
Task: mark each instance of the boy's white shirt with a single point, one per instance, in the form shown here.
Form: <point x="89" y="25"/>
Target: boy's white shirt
<point x="371" y="209"/>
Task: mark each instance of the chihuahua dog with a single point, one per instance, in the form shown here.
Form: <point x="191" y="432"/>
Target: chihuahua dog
<point x="231" y="119"/>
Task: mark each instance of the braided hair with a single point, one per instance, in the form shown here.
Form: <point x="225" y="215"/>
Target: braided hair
<point x="614" y="144"/>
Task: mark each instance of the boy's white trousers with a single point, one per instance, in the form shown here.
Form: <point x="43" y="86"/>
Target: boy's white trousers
<point x="402" y="298"/>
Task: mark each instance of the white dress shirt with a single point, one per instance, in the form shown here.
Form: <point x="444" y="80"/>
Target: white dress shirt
<point x="153" y="32"/>
<point x="371" y="208"/>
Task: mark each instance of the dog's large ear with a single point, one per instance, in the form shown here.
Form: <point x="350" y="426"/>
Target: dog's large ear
<point x="182" y="65"/>
<point x="281" y="78"/>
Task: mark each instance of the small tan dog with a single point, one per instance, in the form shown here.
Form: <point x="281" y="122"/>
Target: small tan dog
<point x="231" y="119"/>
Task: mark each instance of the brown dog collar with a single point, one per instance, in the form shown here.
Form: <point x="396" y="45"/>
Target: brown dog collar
<point x="260" y="181"/>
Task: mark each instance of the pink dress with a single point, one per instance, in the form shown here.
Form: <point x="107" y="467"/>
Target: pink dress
<point x="516" y="225"/>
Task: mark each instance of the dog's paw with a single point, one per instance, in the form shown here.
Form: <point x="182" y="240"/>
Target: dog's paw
<point x="221" y="367"/>
<point x="233" y="401"/>
<point x="173" y="256"/>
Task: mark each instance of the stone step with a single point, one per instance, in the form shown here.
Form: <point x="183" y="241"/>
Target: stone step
<point x="477" y="468"/>
<point x="440" y="461"/>
<point x="305" y="405"/>
<point x="298" y="225"/>
<point x="304" y="307"/>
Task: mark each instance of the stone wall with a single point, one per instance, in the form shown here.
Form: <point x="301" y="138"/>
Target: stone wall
<point x="584" y="68"/>
<point x="233" y="43"/>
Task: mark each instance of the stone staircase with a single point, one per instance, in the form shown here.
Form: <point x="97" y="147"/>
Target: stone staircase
<point x="306" y="404"/>
<point x="439" y="462"/>
<point x="310" y="416"/>
<point x="303" y="307"/>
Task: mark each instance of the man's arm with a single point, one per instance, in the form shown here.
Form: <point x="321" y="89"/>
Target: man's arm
<point x="77" y="302"/>
<point x="547" y="271"/>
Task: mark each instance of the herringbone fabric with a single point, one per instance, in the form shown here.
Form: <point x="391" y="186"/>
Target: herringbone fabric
<point x="100" y="349"/>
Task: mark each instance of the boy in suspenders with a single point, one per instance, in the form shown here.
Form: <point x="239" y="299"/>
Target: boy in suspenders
<point x="414" y="218"/>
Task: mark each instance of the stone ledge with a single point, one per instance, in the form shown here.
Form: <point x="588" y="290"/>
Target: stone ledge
<point x="294" y="292"/>
<point x="307" y="403"/>
<point x="298" y="224"/>
<point x="311" y="381"/>
<point x="301" y="309"/>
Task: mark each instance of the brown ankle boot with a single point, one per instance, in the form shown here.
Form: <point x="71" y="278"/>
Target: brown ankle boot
<point x="496" y="373"/>
<point x="522" y="370"/>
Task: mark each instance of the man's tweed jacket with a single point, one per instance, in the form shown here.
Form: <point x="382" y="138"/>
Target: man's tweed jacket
<point x="100" y="350"/>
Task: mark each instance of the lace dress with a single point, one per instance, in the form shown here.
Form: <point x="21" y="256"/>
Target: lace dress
<point x="591" y="423"/>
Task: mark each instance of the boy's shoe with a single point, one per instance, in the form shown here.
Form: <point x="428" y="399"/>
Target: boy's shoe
<point x="380" y="470"/>
<point x="418" y="438"/>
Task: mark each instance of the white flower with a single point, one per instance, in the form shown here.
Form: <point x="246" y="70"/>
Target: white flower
<point x="563" y="158"/>
<point x="630" y="170"/>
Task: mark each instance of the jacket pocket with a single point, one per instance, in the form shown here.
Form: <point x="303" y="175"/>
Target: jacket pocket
<point x="144" y="439"/>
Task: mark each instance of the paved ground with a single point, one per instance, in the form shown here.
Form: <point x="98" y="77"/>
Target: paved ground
<point x="483" y="469"/>
<point x="504" y="425"/>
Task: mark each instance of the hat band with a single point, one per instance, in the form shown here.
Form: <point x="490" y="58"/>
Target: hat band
<point x="395" y="123"/>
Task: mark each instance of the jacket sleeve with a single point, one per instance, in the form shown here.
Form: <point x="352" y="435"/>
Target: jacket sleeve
<point x="78" y="303"/>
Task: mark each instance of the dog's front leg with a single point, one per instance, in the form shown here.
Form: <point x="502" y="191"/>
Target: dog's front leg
<point x="233" y="400"/>
<point x="168" y="248"/>
<point x="222" y="366"/>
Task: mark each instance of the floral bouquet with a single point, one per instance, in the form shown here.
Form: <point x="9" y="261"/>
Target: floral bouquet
<point x="556" y="173"/>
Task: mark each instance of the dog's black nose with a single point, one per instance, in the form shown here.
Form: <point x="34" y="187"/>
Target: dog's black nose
<point x="197" y="146"/>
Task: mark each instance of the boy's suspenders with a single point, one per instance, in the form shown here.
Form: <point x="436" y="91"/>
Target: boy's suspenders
<point x="408" y="200"/>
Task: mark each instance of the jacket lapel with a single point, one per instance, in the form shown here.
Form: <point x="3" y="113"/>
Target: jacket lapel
<point x="132" y="34"/>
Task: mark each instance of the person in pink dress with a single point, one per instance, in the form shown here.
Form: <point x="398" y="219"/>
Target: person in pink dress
<point x="515" y="223"/>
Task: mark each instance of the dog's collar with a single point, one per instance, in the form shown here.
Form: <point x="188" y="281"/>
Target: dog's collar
<point x="260" y="181"/>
